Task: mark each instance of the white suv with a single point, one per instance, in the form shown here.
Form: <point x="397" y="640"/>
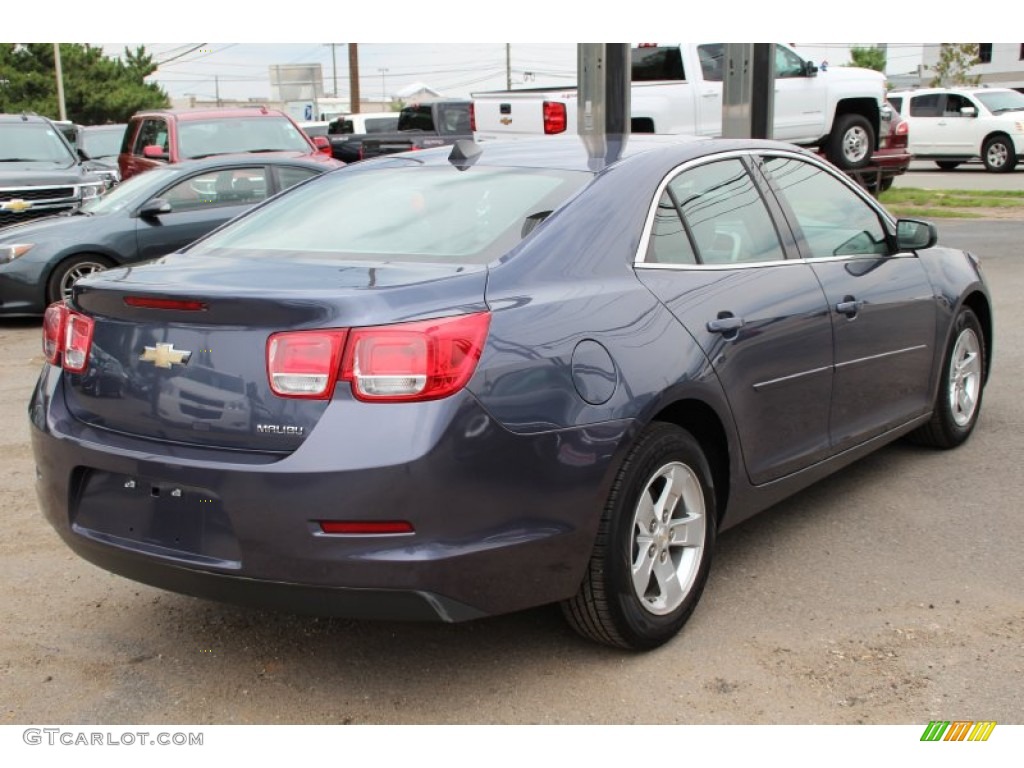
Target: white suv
<point x="954" y="125"/>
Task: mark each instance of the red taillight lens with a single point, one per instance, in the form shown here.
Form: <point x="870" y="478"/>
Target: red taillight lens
<point x="554" y="117"/>
<point x="323" y="145"/>
<point x="424" y="360"/>
<point x="53" y="332"/>
<point x="304" y="363"/>
<point x="472" y="117"/>
<point x="365" y="528"/>
<point x="67" y="338"/>
<point x="77" y="342"/>
<point x="903" y="129"/>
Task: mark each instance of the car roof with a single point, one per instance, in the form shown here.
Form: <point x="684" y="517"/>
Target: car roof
<point x="206" y="114"/>
<point x="24" y="118"/>
<point x="570" y="153"/>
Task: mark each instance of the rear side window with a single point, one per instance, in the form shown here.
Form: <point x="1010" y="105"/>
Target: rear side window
<point x="725" y="214"/>
<point x="657" y="63"/>
<point x="926" y="105"/>
<point x="289" y="176"/>
<point x="426" y="214"/>
<point x="669" y="243"/>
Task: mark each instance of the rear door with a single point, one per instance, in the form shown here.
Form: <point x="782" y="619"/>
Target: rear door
<point x="880" y="301"/>
<point x="716" y="258"/>
<point x="199" y="204"/>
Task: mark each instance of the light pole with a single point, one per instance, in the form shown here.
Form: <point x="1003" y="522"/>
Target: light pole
<point x="383" y="88"/>
<point x="60" y="82"/>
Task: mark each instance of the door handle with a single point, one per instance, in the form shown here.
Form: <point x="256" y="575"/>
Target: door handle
<point x="725" y="324"/>
<point x="849" y="306"/>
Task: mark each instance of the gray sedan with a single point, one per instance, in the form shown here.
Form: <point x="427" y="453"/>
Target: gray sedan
<point x="159" y="212"/>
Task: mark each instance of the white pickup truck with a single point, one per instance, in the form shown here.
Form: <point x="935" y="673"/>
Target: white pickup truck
<point x="678" y="89"/>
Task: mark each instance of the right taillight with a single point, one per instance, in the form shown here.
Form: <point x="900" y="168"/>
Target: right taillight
<point x="554" y="117"/>
<point x="424" y="360"/>
<point x="472" y="117"/>
<point x="404" y="362"/>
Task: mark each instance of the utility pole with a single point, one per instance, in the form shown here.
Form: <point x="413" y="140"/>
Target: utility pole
<point x="353" y="78"/>
<point x="60" y="82"/>
<point x="216" y="85"/>
<point x="383" y="87"/>
<point x="334" y="69"/>
<point x="508" y="66"/>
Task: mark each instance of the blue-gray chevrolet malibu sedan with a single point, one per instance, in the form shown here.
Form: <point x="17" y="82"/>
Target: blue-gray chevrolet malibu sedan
<point x="468" y="381"/>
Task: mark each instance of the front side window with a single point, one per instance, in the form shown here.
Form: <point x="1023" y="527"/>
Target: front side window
<point x="218" y="189"/>
<point x="787" y="63"/>
<point x="955" y="103"/>
<point x="152" y="133"/>
<point x="833" y="219"/>
<point x="725" y="214"/>
<point x="711" y="57"/>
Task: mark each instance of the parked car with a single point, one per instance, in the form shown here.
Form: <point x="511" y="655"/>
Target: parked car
<point x="346" y="133"/>
<point x="99" y="146"/>
<point x="891" y="159"/>
<point x="40" y="174"/>
<point x="164" y="136"/>
<point x="489" y="377"/>
<point x="147" y="216"/>
<point x="955" y="125"/>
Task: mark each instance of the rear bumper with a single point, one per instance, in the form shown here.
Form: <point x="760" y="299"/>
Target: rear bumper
<point x="502" y="522"/>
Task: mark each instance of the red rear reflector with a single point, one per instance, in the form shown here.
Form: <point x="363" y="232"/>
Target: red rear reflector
<point x="147" y="302"/>
<point x="77" y="342"/>
<point x="365" y="527"/>
<point x="554" y="117"/>
<point x="53" y="332"/>
<point x="424" y="360"/>
<point x="304" y="363"/>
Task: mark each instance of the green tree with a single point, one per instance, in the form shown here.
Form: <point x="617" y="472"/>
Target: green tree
<point x="869" y="58"/>
<point x="97" y="88"/>
<point x="954" y="65"/>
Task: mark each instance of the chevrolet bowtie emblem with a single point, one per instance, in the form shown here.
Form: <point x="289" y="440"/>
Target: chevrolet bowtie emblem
<point x="506" y="121"/>
<point x="165" y="355"/>
<point x="16" y="206"/>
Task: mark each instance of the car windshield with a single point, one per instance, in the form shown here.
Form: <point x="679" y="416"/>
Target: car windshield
<point x="101" y="142"/>
<point x="998" y="102"/>
<point x="267" y="133"/>
<point x="33" y="142"/>
<point x="132" y="192"/>
<point x="401" y="213"/>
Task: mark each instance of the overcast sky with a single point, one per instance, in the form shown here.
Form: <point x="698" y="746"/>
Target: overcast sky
<point x="443" y="43"/>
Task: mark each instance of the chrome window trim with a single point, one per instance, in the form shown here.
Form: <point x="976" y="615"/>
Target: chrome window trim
<point x="645" y="235"/>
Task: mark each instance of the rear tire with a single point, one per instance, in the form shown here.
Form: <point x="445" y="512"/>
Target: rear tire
<point x="958" y="402"/>
<point x="851" y="142"/>
<point x="654" y="543"/>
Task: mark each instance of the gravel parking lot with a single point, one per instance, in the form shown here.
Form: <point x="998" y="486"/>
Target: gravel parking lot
<point x="890" y="593"/>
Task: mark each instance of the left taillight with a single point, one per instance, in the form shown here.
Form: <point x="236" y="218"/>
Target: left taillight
<point x="67" y="338"/>
<point x="305" y="364"/>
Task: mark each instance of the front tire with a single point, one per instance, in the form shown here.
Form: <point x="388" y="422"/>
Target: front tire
<point x="64" y="276"/>
<point x="958" y="402"/>
<point x="999" y="155"/>
<point x="851" y="142"/>
<point x="654" y="543"/>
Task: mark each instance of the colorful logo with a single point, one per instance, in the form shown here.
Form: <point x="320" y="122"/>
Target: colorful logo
<point x="958" y="730"/>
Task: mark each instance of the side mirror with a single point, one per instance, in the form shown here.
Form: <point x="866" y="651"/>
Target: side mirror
<point x="151" y="209"/>
<point x="154" y="152"/>
<point x="913" y="235"/>
<point x="969" y="111"/>
<point x="810" y="70"/>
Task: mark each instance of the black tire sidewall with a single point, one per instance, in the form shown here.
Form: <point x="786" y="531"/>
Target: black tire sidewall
<point x="52" y="291"/>
<point x="640" y="628"/>
<point x="953" y="432"/>
<point x="1011" y="160"/>
<point x="842" y="125"/>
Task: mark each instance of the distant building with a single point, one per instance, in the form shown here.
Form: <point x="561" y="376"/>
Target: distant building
<point x="417" y="92"/>
<point x="1002" y="65"/>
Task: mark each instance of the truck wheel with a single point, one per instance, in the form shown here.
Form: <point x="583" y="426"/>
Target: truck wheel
<point x="851" y="143"/>
<point x="948" y="165"/>
<point x="999" y="155"/>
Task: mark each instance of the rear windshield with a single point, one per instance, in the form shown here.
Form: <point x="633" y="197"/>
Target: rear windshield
<point x="202" y="138"/>
<point x="401" y="213"/>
